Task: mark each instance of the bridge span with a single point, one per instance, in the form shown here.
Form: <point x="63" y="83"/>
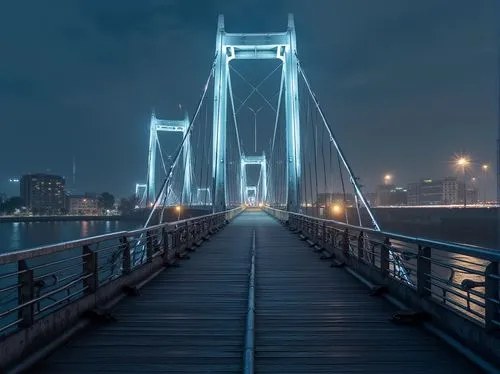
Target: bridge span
<point x="183" y="305"/>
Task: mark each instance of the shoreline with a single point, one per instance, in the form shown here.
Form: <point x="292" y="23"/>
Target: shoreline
<point x="22" y="219"/>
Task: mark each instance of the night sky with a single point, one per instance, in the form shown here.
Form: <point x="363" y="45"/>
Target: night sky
<point x="406" y="84"/>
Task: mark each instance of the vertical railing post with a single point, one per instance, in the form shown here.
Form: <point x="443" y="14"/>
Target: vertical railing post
<point x="361" y="243"/>
<point x="167" y="242"/>
<point x="164" y="238"/>
<point x="126" y="263"/>
<point x="492" y="289"/>
<point x="90" y="270"/>
<point x="323" y="234"/>
<point x="384" y="257"/>
<point x="188" y="234"/>
<point x="149" y="246"/>
<point x="345" y="242"/>
<point x="26" y="293"/>
<point x="424" y="271"/>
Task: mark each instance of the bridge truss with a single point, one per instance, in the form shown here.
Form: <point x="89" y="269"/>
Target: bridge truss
<point x="304" y="170"/>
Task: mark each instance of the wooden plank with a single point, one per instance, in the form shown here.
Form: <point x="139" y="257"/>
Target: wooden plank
<point x="310" y="318"/>
<point x="188" y="319"/>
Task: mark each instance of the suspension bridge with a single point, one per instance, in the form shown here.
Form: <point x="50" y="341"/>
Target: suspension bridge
<point x="270" y="277"/>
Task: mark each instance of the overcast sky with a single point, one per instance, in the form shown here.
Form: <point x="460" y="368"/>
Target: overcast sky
<point x="406" y="83"/>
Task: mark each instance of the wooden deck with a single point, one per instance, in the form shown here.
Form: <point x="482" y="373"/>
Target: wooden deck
<point x="310" y="318"/>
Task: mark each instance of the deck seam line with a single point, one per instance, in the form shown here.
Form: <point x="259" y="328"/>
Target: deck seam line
<point x="249" y="350"/>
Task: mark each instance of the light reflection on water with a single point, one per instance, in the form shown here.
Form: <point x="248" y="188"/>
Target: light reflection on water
<point x="24" y="235"/>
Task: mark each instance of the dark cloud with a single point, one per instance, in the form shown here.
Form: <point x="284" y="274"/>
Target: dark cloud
<point x="406" y="84"/>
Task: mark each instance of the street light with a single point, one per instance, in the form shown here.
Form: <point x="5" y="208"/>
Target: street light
<point x="387" y="178"/>
<point x="178" y="210"/>
<point x="463" y="162"/>
<point x="485" y="168"/>
<point x="255" y="112"/>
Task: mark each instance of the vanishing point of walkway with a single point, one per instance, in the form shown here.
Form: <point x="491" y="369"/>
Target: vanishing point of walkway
<point x="310" y="318"/>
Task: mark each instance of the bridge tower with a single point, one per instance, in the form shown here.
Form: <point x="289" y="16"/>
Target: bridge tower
<point x="253" y="160"/>
<point x="230" y="46"/>
<point x="157" y="125"/>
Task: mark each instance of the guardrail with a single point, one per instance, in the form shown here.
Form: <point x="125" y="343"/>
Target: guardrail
<point x="448" y="280"/>
<point x="36" y="284"/>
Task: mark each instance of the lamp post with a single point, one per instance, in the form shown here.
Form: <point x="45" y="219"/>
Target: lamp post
<point x="463" y="162"/>
<point x="255" y="112"/>
<point x="485" y="168"/>
<point x="387" y="179"/>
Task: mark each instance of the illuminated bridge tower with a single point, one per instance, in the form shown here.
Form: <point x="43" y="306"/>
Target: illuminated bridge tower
<point x="230" y="46"/>
<point x="261" y="185"/>
<point x="157" y="125"/>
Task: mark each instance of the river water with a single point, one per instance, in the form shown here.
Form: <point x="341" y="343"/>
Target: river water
<point x="24" y="235"/>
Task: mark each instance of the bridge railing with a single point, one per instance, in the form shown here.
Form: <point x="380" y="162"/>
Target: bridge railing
<point x="461" y="279"/>
<point x="39" y="282"/>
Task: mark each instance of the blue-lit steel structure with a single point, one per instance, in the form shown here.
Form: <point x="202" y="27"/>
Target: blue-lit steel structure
<point x="231" y="46"/>
<point x="141" y="190"/>
<point x="261" y="188"/>
<point x="157" y="125"/>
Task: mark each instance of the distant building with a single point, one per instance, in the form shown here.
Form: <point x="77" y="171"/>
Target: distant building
<point x="430" y="192"/>
<point x="84" y="205"/>
<point x="453" y="191"/>
<point x="413" y="193"/>
<point x="447" y="191"/>
<point x="472" y="195"/>
<point x="391" y="195"/>
<point x="336" y="197"/>
<point x="43" y="193"/>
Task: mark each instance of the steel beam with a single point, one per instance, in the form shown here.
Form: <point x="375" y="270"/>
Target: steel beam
<point x="158" y="125"/>
<point x="230" y="46"/>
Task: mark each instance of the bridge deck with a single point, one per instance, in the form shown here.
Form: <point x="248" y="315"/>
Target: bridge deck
<point x="310" y="318"/>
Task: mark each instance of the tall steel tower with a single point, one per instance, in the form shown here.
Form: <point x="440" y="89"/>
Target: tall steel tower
<point x="157" y="125"/>
<point x="231" y="46"/>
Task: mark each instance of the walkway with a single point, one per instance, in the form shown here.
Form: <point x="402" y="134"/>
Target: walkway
<point x="310" y="318"/>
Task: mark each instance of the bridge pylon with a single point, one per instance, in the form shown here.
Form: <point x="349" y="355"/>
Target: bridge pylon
<point x="254" y="160"/>
<point x="256" y="46"/>
<point x="158" y="125"/>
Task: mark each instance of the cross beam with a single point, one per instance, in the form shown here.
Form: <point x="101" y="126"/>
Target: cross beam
<point x="231" y="46"/>
<point x="157" y="125"/>
<point x="253" y="160"/>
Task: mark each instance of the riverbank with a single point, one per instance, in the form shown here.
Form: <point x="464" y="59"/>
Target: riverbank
<point x="60" y="218"/>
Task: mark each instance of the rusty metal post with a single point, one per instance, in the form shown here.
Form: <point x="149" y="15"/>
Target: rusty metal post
<point x="361" y="243"/>
<point x="189" y="234"/>
<point x="149" y="246"/>
<point x="492" y="289"/>
<point x="323" y="235"/>
<point x="126" y="262"/>
<point x="424" y="271"/>
<point x="26" y="293"/>
<point x="384" y="257"/>
<point x="345" y="242"/>
<point x="90" y="268"/>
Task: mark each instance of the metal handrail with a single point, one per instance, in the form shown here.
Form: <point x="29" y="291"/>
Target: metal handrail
<point x="25" y="254"/>
<point x="489" y="254"/>
<point x="462" y="278"/>
<point x="45" y="278"/>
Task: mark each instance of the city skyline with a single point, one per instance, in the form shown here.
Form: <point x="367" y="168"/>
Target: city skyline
<point x="400" y="96"/>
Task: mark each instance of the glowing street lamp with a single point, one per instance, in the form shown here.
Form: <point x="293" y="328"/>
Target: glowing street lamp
<point x="387" y="179"/>
<point x="178" y="210"/>
<point x="336" y="209"/>
<point x="464" y="162"/>
<point x="485" y="168"/>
